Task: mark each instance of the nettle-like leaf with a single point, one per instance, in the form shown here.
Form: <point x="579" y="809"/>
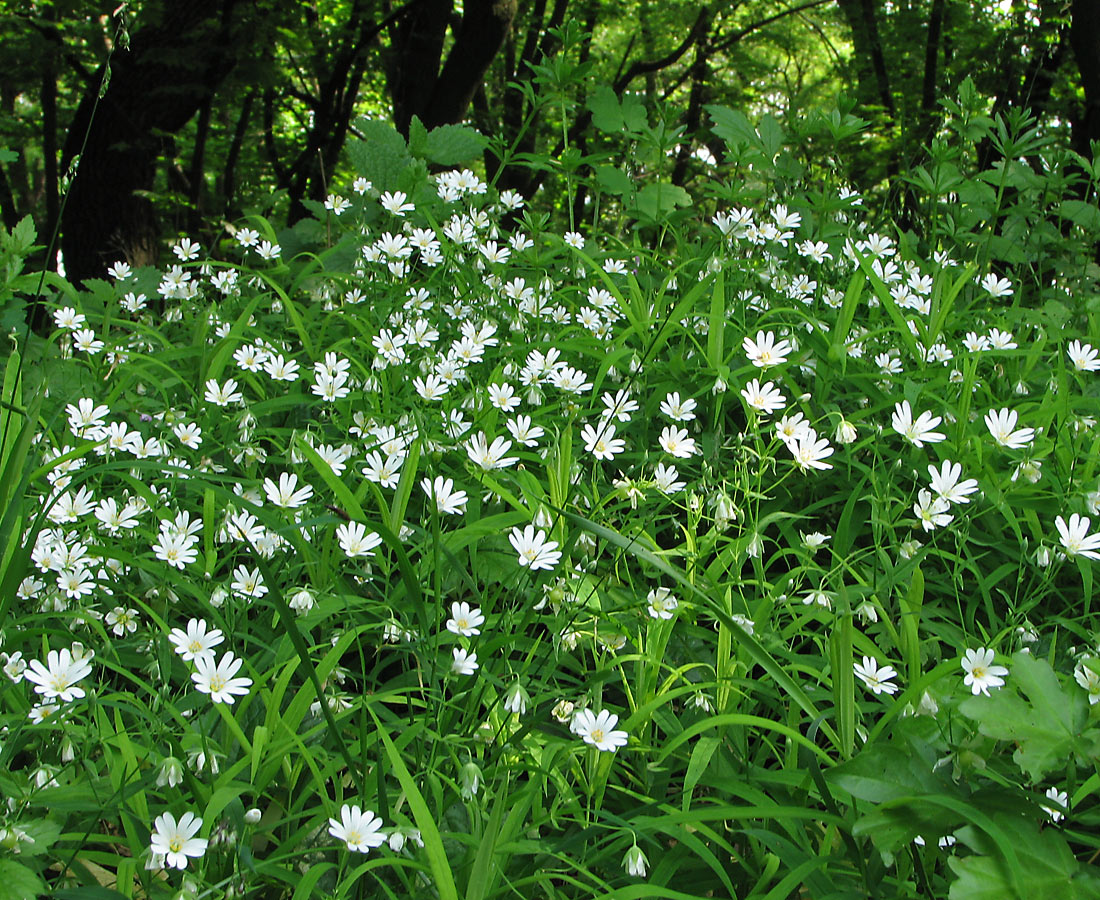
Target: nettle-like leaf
<point x="450" y="145"/>
<point x="1046" y="720"/>
<point x="657" y="200"/>
<point x="1047" y="868"/>
<point x="381" y="155"/>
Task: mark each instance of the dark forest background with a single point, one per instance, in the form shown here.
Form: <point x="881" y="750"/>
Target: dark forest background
<point x="164" y="117"/>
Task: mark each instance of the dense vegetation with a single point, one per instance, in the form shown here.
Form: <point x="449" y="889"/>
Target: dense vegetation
<point x="690" y="491"/>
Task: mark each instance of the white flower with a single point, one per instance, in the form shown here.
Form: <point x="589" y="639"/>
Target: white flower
<point x="465" y="620"/>
<point x="1075" y="538"/>
<point x="176" y="841"/>
<point x="598" y="729"/>
<point x="448" y="501"/>
<point x="359" y="830"/>
<point x="355" y="541"/>
<point x="764" y="352"/>
<point x="465" y="663"/>
<point x="489" y="456"/>
<point x="58" y="677"/>
<point x="196" y="640"/>
<point x="809" y="450"/>
<point x="1061" y="798"/>
<point x="919" y="432"/>
<point x="765" y="399"/>
<point x="661" y="604"/>
<point x="1089" y="680"/>
<point x="601" y="441"/>
<point x="981" y="674"/>
<point x="286" y="493"/>
<point x="635" y="862"/>
<point x="534" y="549"/>
<point x="217" y="680"/>
<point x="1002" y="425"/>
<point x="678" y="410"/>
<point x="1083" y="357"/>
<point x="931" y="512"/>
<point x="675" y="441"/>
<point x="997" y="287"/>
<point x="946" y="484"/>
<point x="878" y="679"/>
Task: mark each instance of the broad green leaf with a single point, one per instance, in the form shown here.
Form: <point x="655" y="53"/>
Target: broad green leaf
<point x="732" y="126"/>
<point x="607" y="115"/>
<point x="381" y="155"/>
<point x="656" y="200"/>
<point x="449" y="145"/>
<point x="17" y="882"/>
<point x="1045" y="721"/>
<point x="1048" y="869"/>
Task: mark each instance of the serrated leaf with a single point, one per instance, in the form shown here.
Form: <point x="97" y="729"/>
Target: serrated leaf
<point x="657" y="200"/>
<point x="1048" y="870"/>
<point x="607" y="114"/>
<point x="380" y="155"/>
<point x="17" y="882"/>
<point x="771" y="135"/>
<point x="614" y="180"/>
<point x="732" y="126"/>
<point x="449" y="145"/>
<point x="1034" y="711"/>
<point x="418" y="137"/>
<point x="634" y="114"/>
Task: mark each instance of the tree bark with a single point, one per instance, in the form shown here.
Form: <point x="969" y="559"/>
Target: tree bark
<point x="169" y="70"/>
<point x="1084" y="38"/>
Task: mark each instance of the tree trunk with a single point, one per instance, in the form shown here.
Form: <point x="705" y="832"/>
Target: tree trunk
<point x="169" y="70"/>
<point x="872" y="75"/>
<point x="1084" y="38"/>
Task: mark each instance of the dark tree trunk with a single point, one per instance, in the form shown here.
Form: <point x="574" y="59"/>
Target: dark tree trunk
<point x="872" y="75"/>
<point x="229" y="173"/>
<point x="49" y="143"/>
<point x="442" y="96"/>
<point x="1084" y="38"/>
<point x="167" y="73"/>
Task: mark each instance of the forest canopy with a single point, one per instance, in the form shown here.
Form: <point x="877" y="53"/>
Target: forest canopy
<point x="165" y="117"/>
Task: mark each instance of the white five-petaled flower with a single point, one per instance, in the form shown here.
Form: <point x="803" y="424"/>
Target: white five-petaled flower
<point x="764" y="351"/>
<point x="675" y="441"/>
<point x="1002" y="425"/>
<point x="448" y="501"/>
<point x="176" y="841"/>
<point x="356" y="541"/>
<point x="598" y="729"/>
<point x="931" y="512"/>
<point x="765" y="399"/>
<point x="809" y="450"/>
<point x="918" y="432"/>
<point x="678" y="410"/>
<point x="489" y="456"/>
<point x="661" y="603"/>
<point x="218" y="680"/>
<point x="981" y="674"/>
<point x="534" y="550"/>
<point x="879" y="679"/>
<point x="359" y="830"/>
<point x="1083" y="356"/>
<point x="601" y="441"/>
<point x="946" y="484"/>
<point x="465" y="663"/>
<point x="196" y="641"/>
<point x="286" y="493"/>
<point x="58" y="677"/>
<point x="465" y="620"/>
<point x="1075" y="538"/>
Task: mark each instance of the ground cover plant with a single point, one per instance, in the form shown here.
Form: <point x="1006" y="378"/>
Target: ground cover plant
<point x="720" y="546"/>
